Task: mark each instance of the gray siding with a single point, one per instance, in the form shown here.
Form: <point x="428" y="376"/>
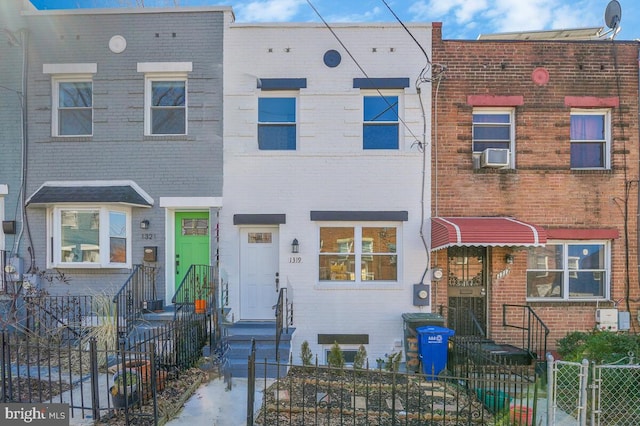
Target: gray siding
<point x="11" y="55"/>
<point x="180" y="166"/>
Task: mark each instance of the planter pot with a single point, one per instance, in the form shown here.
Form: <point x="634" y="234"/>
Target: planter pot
<point x="201" y="306"/>
<point x="521" y="416"/>
<point x="119" y="401"/>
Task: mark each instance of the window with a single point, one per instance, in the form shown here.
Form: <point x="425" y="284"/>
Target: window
<point x="72" y="107"/>
<point x="166" y="105"/>
<point x="493" y="128"/>
<point x="91" y="237"/>
<point x="568" y="271"/>
<point x="380" y="127"/>
<point x="277" y="123"/>
<point x="358" y="254"/>
<point x="590" y="137"/>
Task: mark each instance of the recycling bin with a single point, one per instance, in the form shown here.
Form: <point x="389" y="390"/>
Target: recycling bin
<point x="433" y="345"/>
<point x="413" y="320"/>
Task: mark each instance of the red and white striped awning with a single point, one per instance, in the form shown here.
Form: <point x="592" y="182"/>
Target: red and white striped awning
<point x="484" y="231"/>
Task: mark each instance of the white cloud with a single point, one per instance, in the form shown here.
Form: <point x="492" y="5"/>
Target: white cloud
<point x="267" y="11"/>
<point x="369" y="15"/>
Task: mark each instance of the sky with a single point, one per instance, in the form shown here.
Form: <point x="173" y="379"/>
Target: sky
<point x="462" y="19"/>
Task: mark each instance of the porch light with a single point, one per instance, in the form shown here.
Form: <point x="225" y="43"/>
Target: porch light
<point x="509" y="259"/>
<point x="144" y="224"/>
<point x="295" y="246"/>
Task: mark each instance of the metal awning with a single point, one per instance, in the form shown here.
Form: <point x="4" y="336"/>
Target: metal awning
<point x="94" y="192"/>
<point x="484" y="231"/>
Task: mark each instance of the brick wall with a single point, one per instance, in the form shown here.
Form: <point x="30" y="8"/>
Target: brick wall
<point x="542" y="189"/>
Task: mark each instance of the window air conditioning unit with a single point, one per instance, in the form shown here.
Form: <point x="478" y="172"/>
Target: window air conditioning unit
<point x="494" y="157"/>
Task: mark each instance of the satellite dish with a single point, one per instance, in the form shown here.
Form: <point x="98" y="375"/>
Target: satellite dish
<point x="613" y="14"/>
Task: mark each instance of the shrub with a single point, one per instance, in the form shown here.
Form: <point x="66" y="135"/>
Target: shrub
<point x="598" y="346"/>
<point x="305" y="353"/>
<point x="336" y="357"/>
<point x="392" y="363"/>
<point x="360" y="359"/>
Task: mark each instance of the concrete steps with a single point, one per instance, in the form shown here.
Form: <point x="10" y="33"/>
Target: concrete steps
<point x="238" y="342"/>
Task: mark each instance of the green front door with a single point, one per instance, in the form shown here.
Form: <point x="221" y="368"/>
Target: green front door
<point x="192" y="242"/>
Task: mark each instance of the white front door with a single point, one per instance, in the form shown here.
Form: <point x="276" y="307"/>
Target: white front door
<point x="258" y="273"/>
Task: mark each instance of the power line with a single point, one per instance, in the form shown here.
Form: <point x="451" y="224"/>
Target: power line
<point x="326" y="24"/>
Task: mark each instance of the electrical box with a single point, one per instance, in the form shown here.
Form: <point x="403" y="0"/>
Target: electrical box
<point x="607" y="319"/>
<point x="14" y="268"/>
<point x="421" y="295"/>
<point x="624" y="321"/>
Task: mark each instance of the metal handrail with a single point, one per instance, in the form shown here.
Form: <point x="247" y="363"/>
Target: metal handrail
<point x="534" y="331"/>
<point x="463" y="321"/>
<point x="129" y="301"/>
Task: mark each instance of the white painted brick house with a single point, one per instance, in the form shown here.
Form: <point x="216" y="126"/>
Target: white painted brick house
<point x="314" y="151"/>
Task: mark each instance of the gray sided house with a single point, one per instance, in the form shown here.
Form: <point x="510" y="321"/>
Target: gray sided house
<point x="12" y="51"/>
<point x="124" y="144"/>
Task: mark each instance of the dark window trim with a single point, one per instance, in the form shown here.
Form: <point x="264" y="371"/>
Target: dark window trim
<point x="282" y="83"/>
<point x="259" y="219"/>
<point x="381" y="83"/>
<point x="343" y="339"/>
<point x="360" y="216"/>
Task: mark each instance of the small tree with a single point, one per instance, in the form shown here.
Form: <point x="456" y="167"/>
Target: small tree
<point x="392" y="362"/>
<point x="360" y="359"/>
<point x="305" y="353"/>
<point x="336" y="357"/>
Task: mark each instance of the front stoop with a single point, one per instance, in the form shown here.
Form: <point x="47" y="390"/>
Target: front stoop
<point x="238" y="338"/>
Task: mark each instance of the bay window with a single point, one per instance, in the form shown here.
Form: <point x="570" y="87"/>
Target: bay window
<point x="90" y="237"/>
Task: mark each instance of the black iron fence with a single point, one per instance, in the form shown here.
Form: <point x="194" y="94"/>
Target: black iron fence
<point x="472" y="390"/>
<point x="533" y="332"/>
<point x="96" y="379"/>
<point x="138" y="294"/>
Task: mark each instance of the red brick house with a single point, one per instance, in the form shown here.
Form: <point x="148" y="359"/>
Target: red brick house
<point x="535" y="183"/>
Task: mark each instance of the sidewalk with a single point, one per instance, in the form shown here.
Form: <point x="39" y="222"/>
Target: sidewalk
<point x="213" y="404"/>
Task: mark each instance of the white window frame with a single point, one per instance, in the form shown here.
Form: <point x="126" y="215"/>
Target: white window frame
<point x="358" y="282"/>
<point x="606" y="113"/>
<point x="344" y="347"/>
<point x="512" y="132"/>
<point x="292" y="94"/>
<point x="364" y="93"/>
<point x="567" y="272"/>
<point x="56" y="80"/>
<point x="149" y="79"/>
<point x="54" y="235"/>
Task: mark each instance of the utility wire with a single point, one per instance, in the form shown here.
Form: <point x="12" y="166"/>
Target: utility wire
<point x="404" y="124"/>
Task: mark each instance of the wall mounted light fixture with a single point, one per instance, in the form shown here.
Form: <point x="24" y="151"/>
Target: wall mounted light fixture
<point x="144" y="224"/>
<point x="295" y="246"/>
<point x="508" y="259"/>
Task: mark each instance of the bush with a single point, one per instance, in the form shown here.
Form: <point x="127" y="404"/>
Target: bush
<point x="360" y="359"/>
<point x="336" y="357"/>
<point x="598" y="346"/>
<point x="305" y="354"/>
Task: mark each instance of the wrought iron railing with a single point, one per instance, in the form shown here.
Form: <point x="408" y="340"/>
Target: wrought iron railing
<point x="533" y="331"/>
<point x="284" y="317"/>
<point x="463" y="321"/>
<point x="135" y="296"/>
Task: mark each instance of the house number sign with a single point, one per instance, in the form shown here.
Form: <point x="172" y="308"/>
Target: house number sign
<point x="148" y="236"/>
<point x="295" y="259"/>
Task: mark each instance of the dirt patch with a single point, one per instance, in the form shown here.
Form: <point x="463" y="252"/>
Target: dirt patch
<point x="170" y="400"/>
<point x="21" y="389"/>
<point x="316" y="396"/>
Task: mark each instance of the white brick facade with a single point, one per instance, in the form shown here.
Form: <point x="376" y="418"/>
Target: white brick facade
<point x="329" y="170"/>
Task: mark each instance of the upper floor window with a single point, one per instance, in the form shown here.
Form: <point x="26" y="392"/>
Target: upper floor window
<point x="165" y="97"/>
<point x="91" y="236"/>
<point x="381" y="128"/>
<point x="166" y="105"/>
<point x="493" y="137"/>
<point x="590" y="139"/>
<point x="569" y="271"/>
<point x="277" y="123"/>
<point x="72" y="98"/>
<point x="73" y="107"/>
<point x="358" y="254"/>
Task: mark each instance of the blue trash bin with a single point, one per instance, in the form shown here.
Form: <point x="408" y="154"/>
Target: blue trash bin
<point x="433" y="346"/>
